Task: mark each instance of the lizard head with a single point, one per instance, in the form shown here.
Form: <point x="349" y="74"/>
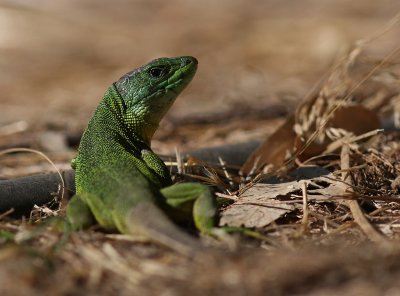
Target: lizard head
<point x="149" y="91"/>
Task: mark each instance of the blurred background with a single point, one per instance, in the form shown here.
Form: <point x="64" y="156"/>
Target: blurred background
<point x="58" y="57"/>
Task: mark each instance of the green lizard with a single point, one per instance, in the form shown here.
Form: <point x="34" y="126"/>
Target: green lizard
<point x="120" y="182"/>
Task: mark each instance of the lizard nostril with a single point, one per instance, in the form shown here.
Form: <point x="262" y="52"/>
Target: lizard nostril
<point x="189" y="61"/>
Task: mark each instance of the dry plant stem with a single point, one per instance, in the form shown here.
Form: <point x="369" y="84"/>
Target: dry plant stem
<point x="338" y="230"/>
<point x="355" y="208"/>
<point x="180" y="165"/>
<point x="227" y="175"/>
<point x="304" y="221"/>
<point x="5" y="214"/>
<point x="380" y="210"/>
<point x="338" y="143"/>
<point x="324" y="219"/>
<point x="109" y="259"/>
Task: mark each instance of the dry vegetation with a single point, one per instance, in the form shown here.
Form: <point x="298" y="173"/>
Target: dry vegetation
<point x="321" y="191"/>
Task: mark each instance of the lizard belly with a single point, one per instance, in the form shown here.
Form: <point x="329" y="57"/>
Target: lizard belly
<point x="110" y="195"/>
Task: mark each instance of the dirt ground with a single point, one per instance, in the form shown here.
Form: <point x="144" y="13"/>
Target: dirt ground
<point x="257" y="60"/>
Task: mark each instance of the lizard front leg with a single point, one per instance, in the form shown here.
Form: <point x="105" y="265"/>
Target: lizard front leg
<point x="158" y="167"/>
<point x="193" y="199"/>
<point x="79" y="214"/>
<point x="198" y="202"/>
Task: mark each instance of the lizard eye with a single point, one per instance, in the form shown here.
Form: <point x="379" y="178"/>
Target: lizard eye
<point x="157" y="72"/>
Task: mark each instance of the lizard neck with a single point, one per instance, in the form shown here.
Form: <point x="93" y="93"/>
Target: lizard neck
<point x="141" y="120"/>
<point x="109" y="117"/>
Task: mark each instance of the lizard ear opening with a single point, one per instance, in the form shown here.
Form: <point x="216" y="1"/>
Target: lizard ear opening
<point x="120" y="99"/>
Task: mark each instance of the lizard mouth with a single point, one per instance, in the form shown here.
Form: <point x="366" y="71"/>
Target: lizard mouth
<point x="182" y="76"/>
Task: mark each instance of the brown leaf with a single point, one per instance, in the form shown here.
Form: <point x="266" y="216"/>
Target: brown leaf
<point x="249" y="215"/>
<point x="259" y="205"/>
<point x="274" y="149"/>
<point x="356" y="119"/>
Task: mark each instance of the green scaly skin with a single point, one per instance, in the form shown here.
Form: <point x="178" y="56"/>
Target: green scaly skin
<point x="120" y="182"/>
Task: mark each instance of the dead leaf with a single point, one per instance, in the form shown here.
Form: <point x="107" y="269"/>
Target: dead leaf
<point x="355" y="119"/>
<point x="249" y="215"/>
<point x="273" y="150"/>
<point x="260" y="205"/>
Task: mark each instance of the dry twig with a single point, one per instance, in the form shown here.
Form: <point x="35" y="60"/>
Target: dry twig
<point x="355" y="209"/>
